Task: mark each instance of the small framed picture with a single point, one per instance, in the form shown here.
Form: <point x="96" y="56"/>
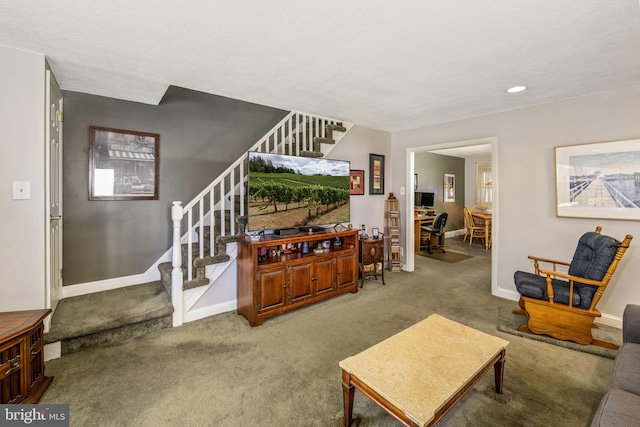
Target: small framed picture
<point x="449" y="187"/>
<point x="375" y="233"/>
<point x="356" y="184"/>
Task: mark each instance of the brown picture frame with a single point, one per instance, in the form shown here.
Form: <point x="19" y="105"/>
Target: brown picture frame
<point x="356" y="182"/>
<point x="123" y="164"/>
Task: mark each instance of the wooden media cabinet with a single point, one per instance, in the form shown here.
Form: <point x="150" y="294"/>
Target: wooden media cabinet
<point x="22" y="378"/>
<point x="275" y="275"/>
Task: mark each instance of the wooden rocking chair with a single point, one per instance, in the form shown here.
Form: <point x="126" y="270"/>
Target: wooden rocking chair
<point x="545" y="295"/>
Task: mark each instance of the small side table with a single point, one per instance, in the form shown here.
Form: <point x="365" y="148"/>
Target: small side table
<point x="371" y="258"/>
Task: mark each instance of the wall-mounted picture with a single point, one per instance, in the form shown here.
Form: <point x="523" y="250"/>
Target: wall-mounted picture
<point x="599" y="180"/>
<point x="356" y="182"/>
<point x="376" y="174"/>
<point x="449" y="187"/>
<point x="123" y="164"/>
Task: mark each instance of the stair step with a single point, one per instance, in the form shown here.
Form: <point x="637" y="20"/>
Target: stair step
<point x="319" y="140"/>
<point x="109" y="317"/>
<point x="311" y="154"/>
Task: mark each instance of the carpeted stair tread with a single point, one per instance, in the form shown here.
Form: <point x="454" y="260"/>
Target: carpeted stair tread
<point x="315" y="154"/>
<point x="91" y="314"/>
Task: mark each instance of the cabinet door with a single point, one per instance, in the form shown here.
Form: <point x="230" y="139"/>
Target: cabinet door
<point x="11" y="368"/>
<point x="299" y="282"/>
<point x="271" y="286"/>
<point x="324" y="276"/>
<point x="347" y="271"/>
<point x="36" y="346"/>
<point x="372" y="251"/>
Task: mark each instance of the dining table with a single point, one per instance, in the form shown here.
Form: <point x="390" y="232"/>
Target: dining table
<point x="484" y="217"/>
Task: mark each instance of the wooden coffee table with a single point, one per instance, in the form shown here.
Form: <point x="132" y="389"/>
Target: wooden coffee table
<point x="418" y="374"/>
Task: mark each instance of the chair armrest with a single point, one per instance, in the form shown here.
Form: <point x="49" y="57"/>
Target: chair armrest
<point x="550" y="261"/>
<point x="570" y="278"/>
<point x="538" y="260"/>
<point x="631" y="324"/>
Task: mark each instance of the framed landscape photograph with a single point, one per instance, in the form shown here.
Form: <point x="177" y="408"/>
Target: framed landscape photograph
<point x="599" y="180"/>
<point x="123" y="164"/>
<point x="356" y="182"/>
<point x="376" y="174"/>
<point x="449" y="187"/>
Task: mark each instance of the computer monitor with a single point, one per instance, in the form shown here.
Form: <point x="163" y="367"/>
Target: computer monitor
<point x="427" y="199"/>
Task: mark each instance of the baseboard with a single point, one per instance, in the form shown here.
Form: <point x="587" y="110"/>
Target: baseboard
<point x="609" y="320"/>
<point x="201" y="313"/>
<point x="52" y="351"/>
<point x="455" y="233"/>
<point x="109" y="284"/>
<point x="506" y="294"/>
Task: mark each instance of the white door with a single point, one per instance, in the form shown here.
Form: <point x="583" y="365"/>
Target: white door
<point x="53" y="190"/>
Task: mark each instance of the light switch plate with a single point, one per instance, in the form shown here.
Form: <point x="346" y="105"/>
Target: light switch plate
<point x="402" y="191"/>
<point x="21" y="190"/>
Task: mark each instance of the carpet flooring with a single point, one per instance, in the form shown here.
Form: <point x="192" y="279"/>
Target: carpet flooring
<point x="221" y="372"/>
<point x="447" y="256"/>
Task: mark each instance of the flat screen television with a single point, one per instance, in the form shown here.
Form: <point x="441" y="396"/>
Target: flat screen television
<point x="424" y="199"/>
<point x="288" y="192"/>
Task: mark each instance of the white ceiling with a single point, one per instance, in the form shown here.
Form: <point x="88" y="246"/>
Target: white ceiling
<point x="387" y="65"/>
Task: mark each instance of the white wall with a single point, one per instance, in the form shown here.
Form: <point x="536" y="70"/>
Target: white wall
<point x="525" y="213"/>
<point x="22" y="107"/>
<point x="356" y="147"/>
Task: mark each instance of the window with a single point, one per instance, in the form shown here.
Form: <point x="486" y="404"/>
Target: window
<point x="484" y="184"/>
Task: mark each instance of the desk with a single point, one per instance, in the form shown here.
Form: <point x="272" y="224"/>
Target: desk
<point x="418" y="374"/>
<point x="486" y="218"/>
<point x="421" y="217"/>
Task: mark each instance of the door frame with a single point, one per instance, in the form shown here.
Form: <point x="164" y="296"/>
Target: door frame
<point x="409" y="200"/>
<point x="51" y="299"/>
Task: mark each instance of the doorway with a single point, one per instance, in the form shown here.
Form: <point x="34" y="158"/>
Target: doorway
<point x="53" y="191"/>
<point x="466" y="149"/>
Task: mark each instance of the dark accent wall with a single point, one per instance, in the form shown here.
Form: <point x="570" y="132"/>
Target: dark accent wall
<point x="431" y="169"/>
<point x="200" y="136"/>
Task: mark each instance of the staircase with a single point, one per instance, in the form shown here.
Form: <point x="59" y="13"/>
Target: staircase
<point x="108" y="317"/>
<point x="200" y="278"/>
<point x="205" y="229"/>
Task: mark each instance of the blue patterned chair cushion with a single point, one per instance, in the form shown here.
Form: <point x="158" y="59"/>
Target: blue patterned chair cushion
<point x="534" y="286"/>
<point x="593" y="256"/>
<point x="591" y="260"/>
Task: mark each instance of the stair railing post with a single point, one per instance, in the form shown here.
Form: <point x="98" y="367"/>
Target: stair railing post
<point x="176" y="263"/>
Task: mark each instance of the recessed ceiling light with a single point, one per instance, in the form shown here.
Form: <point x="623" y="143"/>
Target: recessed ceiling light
<point x="516" y="89"/>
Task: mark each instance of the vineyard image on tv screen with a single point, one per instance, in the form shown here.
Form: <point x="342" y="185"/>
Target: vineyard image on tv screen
<point x="289" y="191"/>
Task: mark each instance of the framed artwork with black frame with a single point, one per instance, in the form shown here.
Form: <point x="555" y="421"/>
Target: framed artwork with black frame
<point x="123" y="164"/>
<point x="376" y="174"/>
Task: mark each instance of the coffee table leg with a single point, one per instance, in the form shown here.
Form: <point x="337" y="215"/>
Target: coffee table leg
<point x="347" y="395"/>
<point x="498" y="371"/>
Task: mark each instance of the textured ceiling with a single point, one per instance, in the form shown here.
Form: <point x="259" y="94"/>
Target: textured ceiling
<point x="386" y="65"/>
